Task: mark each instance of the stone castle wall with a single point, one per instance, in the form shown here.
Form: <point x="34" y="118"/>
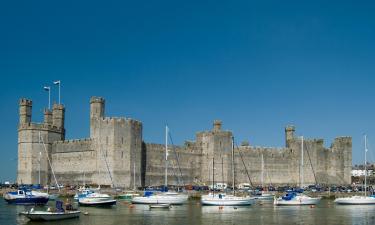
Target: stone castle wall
<point x="116" y="155"/>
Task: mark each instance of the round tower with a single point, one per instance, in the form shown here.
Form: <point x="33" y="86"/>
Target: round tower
<point x="25" y="110"/>
<point x="289" y="134"/>
<point x="97" y="105"/>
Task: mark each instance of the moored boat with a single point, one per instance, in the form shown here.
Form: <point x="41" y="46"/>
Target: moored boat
<point x="26" y="197"/>
<point x="226" y="200"/>
<point x="160" y="206"/>
<point x="97" y="199"/>
<point x="172" y="198"/>
<point x="56" y="214"/>
<point x="294" y="198"/>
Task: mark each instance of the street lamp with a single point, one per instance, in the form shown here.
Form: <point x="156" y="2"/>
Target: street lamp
<point x="47" y="88"/>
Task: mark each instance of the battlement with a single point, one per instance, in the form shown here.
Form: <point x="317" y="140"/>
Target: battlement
<point x="120" y="120"/>
<point x="25" y="102"/>
<point x="95" y="99"/>
<point x="74" y="145"/>
<point x="39" y="126"/>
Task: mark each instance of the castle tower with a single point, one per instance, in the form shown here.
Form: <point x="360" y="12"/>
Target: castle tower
<point x="47" y="117"/>
<point x="289" y="134"/>
<point x="216" y="144"/>
<point x="25" y="111"/>
<point x="32" y="153"/>
<point x="97" y="106"/>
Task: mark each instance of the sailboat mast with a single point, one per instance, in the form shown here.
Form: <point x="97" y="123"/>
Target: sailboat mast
<point x="262" y="173"/>
<point x="301" y="184"/>
<point x="40" y="154"/>
<point x="365" y="165"/>
<point x="213" y="175"/>
<point x="166" y="157"/>
<point x="233" y="184"/>
<point x="134" y="176"/>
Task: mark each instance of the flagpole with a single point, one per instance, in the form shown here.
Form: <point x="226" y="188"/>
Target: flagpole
<point x="59" y="83"/>
<point x="47" y="88"/>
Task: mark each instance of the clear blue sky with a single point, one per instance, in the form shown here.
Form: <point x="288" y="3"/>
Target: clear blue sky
<point x="256" y="66"/>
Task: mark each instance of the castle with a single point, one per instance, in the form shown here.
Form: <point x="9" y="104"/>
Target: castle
<point x="116" y="155"/>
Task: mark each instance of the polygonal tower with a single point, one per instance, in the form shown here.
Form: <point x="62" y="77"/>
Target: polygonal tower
<point x="33" y="167"/>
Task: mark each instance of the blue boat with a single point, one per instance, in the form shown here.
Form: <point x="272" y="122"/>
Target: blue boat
<point x="26" y="197"/>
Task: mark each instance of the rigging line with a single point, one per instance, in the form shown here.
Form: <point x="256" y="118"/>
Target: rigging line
<point x="308" y="155"/>
<point x="109" y="172"/>
<point x="177" y="159"/>
<point x="247" y="172"/>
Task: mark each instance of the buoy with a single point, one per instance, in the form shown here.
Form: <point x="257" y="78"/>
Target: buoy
<point x="312" y="206"/>
<point x="234" y="207"/>
<point x="131" y="206"/>
<point x="86" y="213"/>
<point x="220" y="207"/>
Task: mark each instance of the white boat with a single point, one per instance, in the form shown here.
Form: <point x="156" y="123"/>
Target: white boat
<point x="160" y="206"/>
<point x="58" y="213"/>
<point x="83" y="193"/>
<point x="221" y="199"/>
<point x="358" y="200"/>
<point x="226" y="200"/>
<point x="293" y="198"/>
<point x="97" y="199"/>
<point x="172" y="198"/>
<point x="47" y="216"/>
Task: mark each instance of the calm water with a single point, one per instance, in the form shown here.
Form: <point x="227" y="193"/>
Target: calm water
<point x="261" y="213"/>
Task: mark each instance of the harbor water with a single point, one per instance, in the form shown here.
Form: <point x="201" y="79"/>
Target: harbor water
<point x="193" y="213"/>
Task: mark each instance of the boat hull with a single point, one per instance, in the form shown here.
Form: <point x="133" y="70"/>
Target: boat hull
<point x="48" y="216"/>
<point x="97" y="203"/>
<point x="226" y="201"/>
<point x="310" y="201"/>
<point x="154" y="199"/>
<point x="27" y="201"/>
<point x="355" y="200"/>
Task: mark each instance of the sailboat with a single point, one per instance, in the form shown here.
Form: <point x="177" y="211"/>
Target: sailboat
<point x="264" y="195"/>
<point x="167" y="197"/>
<point x="296" y="198"/>
<point x="358" y="200"/>
<point x="222" y="199"/>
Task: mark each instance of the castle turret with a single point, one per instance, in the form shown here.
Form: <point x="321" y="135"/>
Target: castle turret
<point x="217" y="125"/>
<point x="25" y="111"/>
<point x="47" y="117"/>
<point x="289" y="134"/>
<point x="97" y="105"/>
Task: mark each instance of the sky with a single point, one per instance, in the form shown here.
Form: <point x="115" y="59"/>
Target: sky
<point x="257" y="66"/>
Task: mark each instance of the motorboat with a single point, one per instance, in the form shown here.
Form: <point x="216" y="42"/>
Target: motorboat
<point x="52" y="214"/>
<point x="172" y="198"/>
<point x="97" y="199"/>
<point x="26" y="197"/>
<point x="83" y="193"/>
<point x="226" y="200"/>
<point x="295" y="198"/>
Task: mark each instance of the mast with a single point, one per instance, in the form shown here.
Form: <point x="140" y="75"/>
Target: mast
<point x="166" y="157"/>
<point x="222" y="171"/>
<point x="40" y="154"/>
<point x="233" y="184"/>
<point x="365" y="165"/>
<point x="262" y="173"/>
<point x="301" y="181"/>
<point x="213" y="175"/>
<point x="134" y="176"/>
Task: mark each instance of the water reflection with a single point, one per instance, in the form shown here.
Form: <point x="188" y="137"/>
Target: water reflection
<point x="193" y="213"/>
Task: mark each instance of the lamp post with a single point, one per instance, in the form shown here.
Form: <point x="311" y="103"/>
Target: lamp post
<point x="58" y="82"/>
<point x="47" y="88"/>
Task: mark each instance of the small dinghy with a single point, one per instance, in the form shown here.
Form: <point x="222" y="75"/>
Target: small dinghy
<point x="97" y="199"/>
<point x="160" y="206"/>
<point x="52" y="214"/>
